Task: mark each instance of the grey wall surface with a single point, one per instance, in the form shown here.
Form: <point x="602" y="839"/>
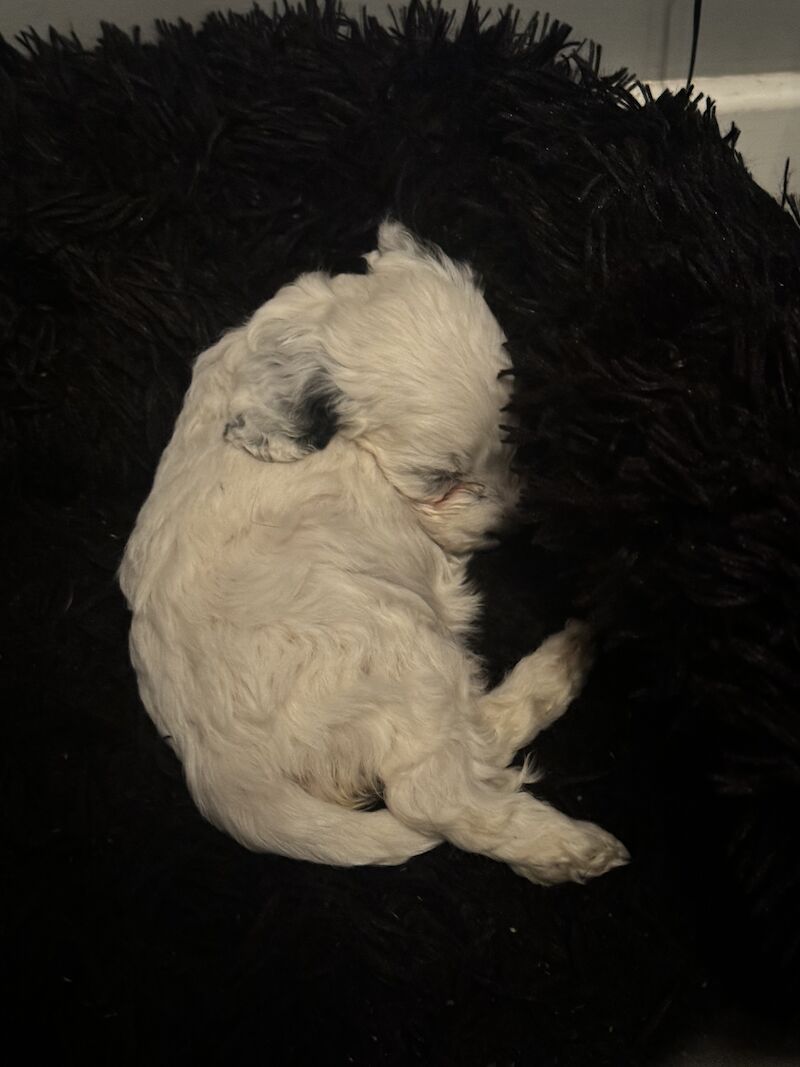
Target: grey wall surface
<point x="651" y="37"/>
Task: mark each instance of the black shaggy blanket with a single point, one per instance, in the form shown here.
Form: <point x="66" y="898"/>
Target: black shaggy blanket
<point x="152" y="196"/>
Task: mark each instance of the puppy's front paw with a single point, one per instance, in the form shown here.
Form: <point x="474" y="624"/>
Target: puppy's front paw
<point x="581" y="850"/>
<point x="246" y="431"/>
<point x="554" y="675"/>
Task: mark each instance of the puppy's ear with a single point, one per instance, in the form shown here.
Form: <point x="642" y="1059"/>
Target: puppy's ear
<point x="399" y="249"/>
<point x="394" y="237"/>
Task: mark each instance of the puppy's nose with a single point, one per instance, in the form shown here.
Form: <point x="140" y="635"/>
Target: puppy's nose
<point x="506" y="526"/>
<point x="508" y="518"/>
<point x="511" y="500"/>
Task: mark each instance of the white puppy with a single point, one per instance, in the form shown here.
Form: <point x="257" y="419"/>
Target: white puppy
<point x="297" y="581"/>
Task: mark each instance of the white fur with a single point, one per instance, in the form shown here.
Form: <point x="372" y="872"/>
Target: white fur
<point x="299" y="612"/>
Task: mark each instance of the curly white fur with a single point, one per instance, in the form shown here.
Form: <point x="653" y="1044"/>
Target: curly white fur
<point x="297" y="581"/>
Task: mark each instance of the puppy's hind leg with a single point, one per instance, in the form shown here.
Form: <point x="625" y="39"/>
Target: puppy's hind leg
<point x="481" y="809"/>
<point x="536" y="692"/>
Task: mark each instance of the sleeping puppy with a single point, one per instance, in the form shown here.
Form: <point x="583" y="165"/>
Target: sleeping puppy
<point x="297" y="581"/>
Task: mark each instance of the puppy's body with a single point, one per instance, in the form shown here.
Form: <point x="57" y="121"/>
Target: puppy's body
<point x="299" y="601"/>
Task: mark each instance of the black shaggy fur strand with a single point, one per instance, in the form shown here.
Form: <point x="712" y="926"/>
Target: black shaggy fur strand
<point x="152" y="196"/>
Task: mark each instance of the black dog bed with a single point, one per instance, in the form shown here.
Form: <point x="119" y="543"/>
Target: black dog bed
<point x="154" y="195"/>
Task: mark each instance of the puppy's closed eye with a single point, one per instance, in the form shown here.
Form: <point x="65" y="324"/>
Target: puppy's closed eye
<point x="444" y="486"/>
<point x="462" y="488"/>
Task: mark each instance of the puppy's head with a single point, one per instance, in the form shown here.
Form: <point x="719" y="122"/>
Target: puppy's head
<point x="408" y="363"/>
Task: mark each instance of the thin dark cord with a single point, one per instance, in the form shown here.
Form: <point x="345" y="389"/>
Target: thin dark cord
<point x="698" y="11"/>
<point x="785" y="189"/>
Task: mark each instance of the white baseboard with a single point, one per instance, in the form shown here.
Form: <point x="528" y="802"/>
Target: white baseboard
<point x="766" y="108"/>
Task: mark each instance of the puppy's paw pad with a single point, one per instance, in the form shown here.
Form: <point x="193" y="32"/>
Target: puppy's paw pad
<point x="596" y="852"/>
<point x="247" y="432"/>
<point x="582" y="852"/>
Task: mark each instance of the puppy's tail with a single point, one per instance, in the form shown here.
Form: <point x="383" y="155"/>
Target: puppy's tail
<point x="287" y="820"/>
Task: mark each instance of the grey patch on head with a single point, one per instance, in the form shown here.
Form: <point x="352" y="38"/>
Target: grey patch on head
<point x="308" y="424"/>
<point x="316" y="417"/>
